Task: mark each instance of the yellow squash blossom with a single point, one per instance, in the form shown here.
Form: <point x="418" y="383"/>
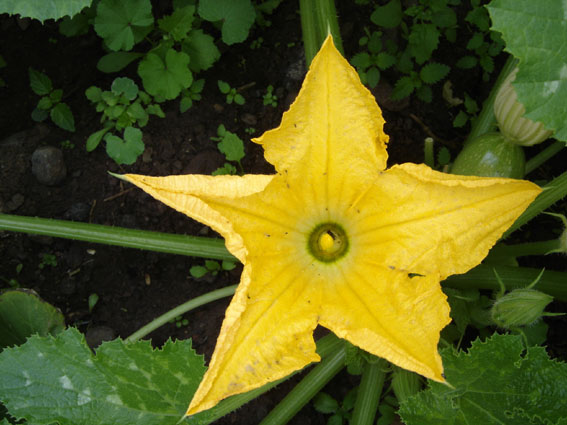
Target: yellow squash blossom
<point x="335" y="239"/>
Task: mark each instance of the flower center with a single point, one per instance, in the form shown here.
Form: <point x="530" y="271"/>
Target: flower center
<point x="327" y="242"/>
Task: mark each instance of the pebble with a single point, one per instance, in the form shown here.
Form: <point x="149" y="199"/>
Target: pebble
<point x="249" y="119"/>
<point x="48" y="165"/>
<point x="15" y="202"/>
<point x="97" y="334"/>
<point x="79" y="211"/>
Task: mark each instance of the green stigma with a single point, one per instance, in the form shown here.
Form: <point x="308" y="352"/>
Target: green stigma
<point x="327" y="242"/>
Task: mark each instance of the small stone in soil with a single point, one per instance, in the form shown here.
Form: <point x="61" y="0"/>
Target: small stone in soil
<point x="79" y="211"/>
<point x="97" y="334"/>
<point x="48" y="165"/>
<point x="15" y="202"/>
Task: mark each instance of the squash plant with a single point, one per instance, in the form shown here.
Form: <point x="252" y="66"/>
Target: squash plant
<point x="58" y="379"/>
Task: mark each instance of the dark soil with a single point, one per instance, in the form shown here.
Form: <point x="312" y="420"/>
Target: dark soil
<point x="136" y="286"/>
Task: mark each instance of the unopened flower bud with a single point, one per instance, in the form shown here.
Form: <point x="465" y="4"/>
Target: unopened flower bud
<point x="509" y="113"/>
<point x="519" y="307"/>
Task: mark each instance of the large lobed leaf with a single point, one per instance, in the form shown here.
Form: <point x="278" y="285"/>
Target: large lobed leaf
<point x="535" y="33"/>
<point x="43" y="9"/>
<point x="496" y="382"/>
<point x="59" y="379"/>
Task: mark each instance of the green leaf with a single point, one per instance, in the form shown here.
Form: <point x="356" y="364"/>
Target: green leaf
<point x="372" y="77"/>
<point x="56" y="95"/>
<point x="237" y="17"/>
<point x="126" y="86"/>
<point x="43" y="9"/>
<point x="389" y="15"/>
<point x="231" y="146"/>
<point x="178" y="23"/>
<point x="385" y="60"/>
<point x="403" y="88"/>
<point x="228" y="265"/>
<point x="58" y="379"/>
<point x="476" y="41"/>
<point x="460" y="120"/>
<point x="494" y="383"/>
<point x="467" y="62"/>
<point x="116" y="61"/>
<point x="224" y="87"/>
<point x="201" y="49"/>
<point x="198" y="271"/>
<point x="155" y="110"/>
<point x="123" y="23"/>
<point x="324" y="403"/>
<point x="535" y="33"/>
<point x="62" y="116"/>
<point x="433" y="72"/>
<point x="361" y="61"/>
<point x="423" y="40"/>
<point x="185" y="104"/>
<point x="39" y="115"/>
<point x="23" y="313"/>
<point x="72" y="27"/>
<point x="94" y="94"/>
<point x="44" y="103"/>
<point x="167" y="78"/>
<point x="212" y="265"/>
<point x="94" y="139"/>
<point x="125" y="151"/>
<point x="39" y="82"/>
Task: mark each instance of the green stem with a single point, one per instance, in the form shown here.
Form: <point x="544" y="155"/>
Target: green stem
<point x="486" y="121"/>
<point x="483" y="277"/>
<point x="543" y="156"/>
<point x="524" y="249"/>
<point x="305" y="390"/>
<point x="318" y="20"/>
<point x="327" y="347"/>
<point x="552" y="192"/>
<point x="369" y="392"/>
<point x="429" y="158"/>
<point x="181" y="309"/>
<point x="142" y="239"/>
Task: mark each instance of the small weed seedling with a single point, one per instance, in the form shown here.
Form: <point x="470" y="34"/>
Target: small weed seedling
<point x="270" y="98"/>
<point x="179" y="321"/>
<point x="232" y="94"/>
<point x="47" y="260"/>
<point x="211" y="267"/>
<point x="66" y="144"/>
<point x="50" y="104"/>
<point x="124" y="108"/>
<point x="92" y="301"/>
<point x="340" y="412"/>
<point x="188" y="96"/>
<point x="13" y="282"/>
<point x="232" y="147"/>
<point x="376" y="59"/>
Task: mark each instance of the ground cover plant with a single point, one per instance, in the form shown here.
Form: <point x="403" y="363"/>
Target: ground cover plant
<point x="505" y="332"/>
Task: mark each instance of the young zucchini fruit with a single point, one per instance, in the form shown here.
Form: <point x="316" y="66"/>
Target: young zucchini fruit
<point x="500" y="154"/>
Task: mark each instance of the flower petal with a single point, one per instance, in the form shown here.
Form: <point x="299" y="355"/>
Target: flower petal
<point x="427" y="222"/>
<point x="266" y="335"/>
<point x="332" y="136"/>
<point x="183" y="194"/>
<point x="390" y="315"/>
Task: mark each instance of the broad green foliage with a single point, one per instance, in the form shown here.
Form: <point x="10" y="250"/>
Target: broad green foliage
<point x="50" y="104"/>
<point x="166" y="77"/>
<point x="123" y="23"/>
<point x="43" y="9"/>
<point x="59" y="379"/>
<point x="237" y="17"/>
<point x="201" y="49"/>
<point x="179" y="23"/>
<point x="535" y="32"/>
<point x="127" y="149"/>
<point x="496" y="382"/>
<point x="23" y="313"/>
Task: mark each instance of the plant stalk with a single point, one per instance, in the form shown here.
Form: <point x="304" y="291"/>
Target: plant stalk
<point x="192" y="246"/>
<point x="305" y="390"/>
<point x="486" y="121"/>
<point x="318" y="20"/>
<point x="524" y="249"/>
<point x="543" y="156"/>
<point x="483" y="277"/>
<point x="181" y="309"/>
<point x="369" y="393"/>
<point x="552" y="192"/>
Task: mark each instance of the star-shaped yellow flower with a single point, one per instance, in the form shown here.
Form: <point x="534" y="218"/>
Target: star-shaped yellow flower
<point x="335" y="239"/>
